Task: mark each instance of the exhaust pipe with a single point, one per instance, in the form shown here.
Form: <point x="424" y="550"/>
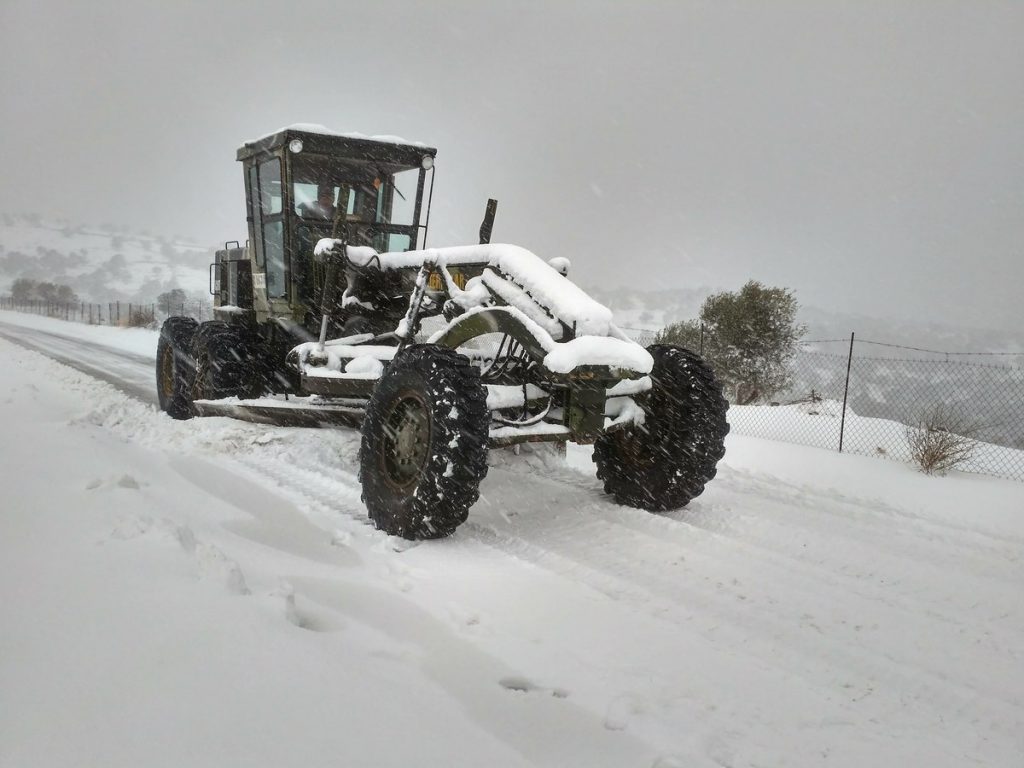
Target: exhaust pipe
<point x="488" y="222"/>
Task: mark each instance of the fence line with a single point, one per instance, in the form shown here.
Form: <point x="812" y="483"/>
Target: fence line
<point x="848" y="395"/>
<point x="116" y="313"/>
<point x="853" y="401"/>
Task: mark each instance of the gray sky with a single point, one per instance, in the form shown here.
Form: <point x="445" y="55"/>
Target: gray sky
<point x="868" y="155"/>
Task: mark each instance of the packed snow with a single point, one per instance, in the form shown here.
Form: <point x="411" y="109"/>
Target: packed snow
<point x="596" y="350"/>
<point x="210" y="593"/>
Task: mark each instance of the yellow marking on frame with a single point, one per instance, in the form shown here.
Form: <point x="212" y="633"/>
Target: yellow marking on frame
<point x="436" y="283"/>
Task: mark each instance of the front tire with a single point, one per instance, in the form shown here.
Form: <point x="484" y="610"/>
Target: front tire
<point x="665" y="462"/>
<point x="175" y="367"/>
<point x="424" y="446"/>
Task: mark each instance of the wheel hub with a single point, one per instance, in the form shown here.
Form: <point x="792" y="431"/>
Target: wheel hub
<point x="406" y="441"/>
<point x="167" y="372"/>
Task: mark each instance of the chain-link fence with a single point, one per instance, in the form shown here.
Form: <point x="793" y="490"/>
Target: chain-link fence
<point x="873" y="398"/>
<point x="121" y="313"/>
<point x="892" y="393"/>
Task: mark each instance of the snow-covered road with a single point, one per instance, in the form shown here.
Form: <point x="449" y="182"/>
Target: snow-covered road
<point x="101" y="354"/>
<point x="209" y="593"/>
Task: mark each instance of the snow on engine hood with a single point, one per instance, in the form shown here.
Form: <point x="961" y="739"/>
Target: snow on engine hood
<point x="556" y="293"/>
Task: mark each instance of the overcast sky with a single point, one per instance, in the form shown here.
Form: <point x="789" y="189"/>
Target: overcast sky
<point x="868" y="155"/>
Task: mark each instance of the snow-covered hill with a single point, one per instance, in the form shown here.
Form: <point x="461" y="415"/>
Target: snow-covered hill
<point x="209" y="593"/>
<point x="101" y="264"/>
<point x="653" y="310"/>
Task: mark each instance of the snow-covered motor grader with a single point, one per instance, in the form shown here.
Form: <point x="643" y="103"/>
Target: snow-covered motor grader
<point x="333" y="313"/>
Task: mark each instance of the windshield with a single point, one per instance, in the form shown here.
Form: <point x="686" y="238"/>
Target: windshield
<point x="366" y="193"/>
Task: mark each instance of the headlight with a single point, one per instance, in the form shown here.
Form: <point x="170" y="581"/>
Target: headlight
<point x="428" y="162"/>
<point x="295" y="145"/>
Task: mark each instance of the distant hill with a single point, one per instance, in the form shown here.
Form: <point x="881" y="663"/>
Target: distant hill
<point x="651" y="311"/>
<point x="101" y="264"/>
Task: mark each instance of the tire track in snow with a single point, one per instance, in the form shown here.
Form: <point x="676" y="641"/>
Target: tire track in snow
<point x="573" y="543"/>
<point x="808" y="506"/>
<point x="586" y="545"/>
<point x="903" y="568"/>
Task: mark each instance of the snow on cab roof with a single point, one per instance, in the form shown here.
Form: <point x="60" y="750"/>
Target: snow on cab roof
<point x="319" y="139"/>
<point x="323" y="130"/>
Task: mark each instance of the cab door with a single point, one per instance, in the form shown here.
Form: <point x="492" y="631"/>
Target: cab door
<point x="266" y="214"/>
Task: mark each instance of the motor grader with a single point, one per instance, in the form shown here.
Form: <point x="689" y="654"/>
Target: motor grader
<point x="334" y="312"/>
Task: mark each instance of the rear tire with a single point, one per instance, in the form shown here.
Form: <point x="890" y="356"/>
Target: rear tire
<point x="424" y="446"/>
<point x="175" y="367"/>
<point x="224" y="363"/>
<point x="665" y="462"/>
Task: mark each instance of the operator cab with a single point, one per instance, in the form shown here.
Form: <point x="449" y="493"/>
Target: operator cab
<point x="298" y="178"/>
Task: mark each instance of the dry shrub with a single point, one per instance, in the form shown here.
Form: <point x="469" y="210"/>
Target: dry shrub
<point x="942" y="439"/>
<point x="142" y="317"/>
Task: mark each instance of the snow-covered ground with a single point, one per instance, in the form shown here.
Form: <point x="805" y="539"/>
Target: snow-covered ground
<point x="210" y="593"/>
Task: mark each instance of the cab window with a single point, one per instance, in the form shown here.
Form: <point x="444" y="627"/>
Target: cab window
<point x="272" y="220"/>
<point x="254" y="212"/>
<point x="403" y="196"/>
<point x="270" y="187"/>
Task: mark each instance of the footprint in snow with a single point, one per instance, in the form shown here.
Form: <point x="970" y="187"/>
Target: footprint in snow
<point x="215" y="564"/>
<point x="125" y="481"/>
<point x="523" y="685"/>
<point x="131" y="527"/>
<point x="305" y="617"/>
<point x="621" y="710"/>
<point x="129" y="482"/>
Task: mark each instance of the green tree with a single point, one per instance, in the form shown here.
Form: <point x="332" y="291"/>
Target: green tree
<point x="748" y="337"/>
<point x="685" y="333"/>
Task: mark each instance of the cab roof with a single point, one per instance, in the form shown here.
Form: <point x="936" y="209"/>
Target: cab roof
<point x="317" y="139"/>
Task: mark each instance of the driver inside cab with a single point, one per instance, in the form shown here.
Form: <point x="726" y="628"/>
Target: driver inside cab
<point x="323" y="207"/>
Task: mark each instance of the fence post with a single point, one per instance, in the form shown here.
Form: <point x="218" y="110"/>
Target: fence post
<point x="846" y="392"/>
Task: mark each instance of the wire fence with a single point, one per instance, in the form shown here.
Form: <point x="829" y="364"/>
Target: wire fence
<point x="117" y="313"/>
<point x="872" y="398"/>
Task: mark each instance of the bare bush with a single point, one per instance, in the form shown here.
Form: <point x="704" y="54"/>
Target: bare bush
<point x="942" y="439"/>
<point x="142" y="317"/>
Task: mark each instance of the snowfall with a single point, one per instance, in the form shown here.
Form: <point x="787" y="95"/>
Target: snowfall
<point x="210" y="593"/>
